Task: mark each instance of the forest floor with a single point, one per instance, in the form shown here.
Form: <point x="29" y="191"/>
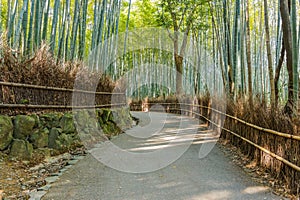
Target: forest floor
<point x="19" y="178"/>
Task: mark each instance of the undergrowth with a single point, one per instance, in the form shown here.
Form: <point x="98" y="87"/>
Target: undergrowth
<point x="43" y="69"/>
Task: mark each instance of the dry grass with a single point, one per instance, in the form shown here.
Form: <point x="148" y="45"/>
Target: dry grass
<point x="275" y="119"/>
<point x="43" y="69"/>
<point x="261" y="115"/>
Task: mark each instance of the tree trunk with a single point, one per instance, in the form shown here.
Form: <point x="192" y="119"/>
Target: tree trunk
<point x="248" y="52"/>
<point x="295" y="51"/>
<point x="287" y="38"/>
<point x="179" y="70"/>
<point x="228" y="63"/>
<point x="277" y="73"/>
<point x="270" y="64"/>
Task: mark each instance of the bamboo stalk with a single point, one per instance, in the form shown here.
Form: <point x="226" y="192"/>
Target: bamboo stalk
<point x="20" y="24"/>
<point x="1" y="19"/>
<point x="30" y="31"/>
<point x="11" y="22"/>
<point x="295" y="52"/>
<point x="46" y="18"/>
<point x="269" y="56"/>
<point x="74" y="30"/>
<point x="24" y="26"/>
<point x="37" y="24"/>
<point x="83" y="30"/>
<point x="54" y="25"/>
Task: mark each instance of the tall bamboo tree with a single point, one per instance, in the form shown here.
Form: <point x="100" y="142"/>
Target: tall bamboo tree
<point x="54" y="25"/>
<point x="248" y="52"/>
<point x="1" y="18"/>
<point x="287" y="37"/>
<point x="11" y="23"/>
<point x="20" y="24"/>
<point x="269" y="55"/>
<point x="295" y="52"/>
<point x="83" y="30"/>
<point x="30" y="31"/>
<point x="46" y="19"/>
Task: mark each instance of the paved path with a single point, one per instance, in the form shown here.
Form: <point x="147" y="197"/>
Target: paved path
<point x="188" y="178"/>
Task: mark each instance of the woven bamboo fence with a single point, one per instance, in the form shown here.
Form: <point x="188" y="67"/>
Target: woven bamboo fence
<point x="17" y="98"/>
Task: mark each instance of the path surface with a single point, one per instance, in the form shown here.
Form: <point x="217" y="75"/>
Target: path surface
<point x="188" y="178"/>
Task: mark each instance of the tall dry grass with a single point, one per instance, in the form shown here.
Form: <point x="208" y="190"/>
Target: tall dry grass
<point x="43" y="69"/>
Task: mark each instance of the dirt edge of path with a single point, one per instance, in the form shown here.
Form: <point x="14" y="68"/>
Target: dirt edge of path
<point x="256" y="172"/>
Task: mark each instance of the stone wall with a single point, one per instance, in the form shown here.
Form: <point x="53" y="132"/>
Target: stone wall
<point x="55" y="133"/>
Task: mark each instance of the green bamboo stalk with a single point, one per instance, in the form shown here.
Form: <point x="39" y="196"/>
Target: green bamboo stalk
<point x="83" y="30"/>
<point x="62" y="30"/>
<point x="236" y="29"/>
<point x="30" y="31"/>
<point x="117" y="35"/>
<point x="288" y="43"/>
<point x="226" y="50"/>
<point x="278" y="33"/>
<point x="54" y="25"/>
<point x="101" y="22"/>
<point x="94" y="35"/>
<point x="295" y="52"/>
<point x="66" y="53"/>
<point x="36" y="24"/>
<point x="24" y="27"/>
<point x="248" y="52"/>
<point x="127" y="26"/>
<point x="99" y="34"/>
<point x="269" y="55"/>
<point x="220" y="48"/>
<point x="21" y="21"/>
<point x="8" y="14"/>
<point x="11" y="24"/>
<point x="40" y="20"/>
<point x="260" y="79"/>
<point x="46" y="19"/>
<point x="242" y="41"/>
<point x="117" y="17"/>
<point x="108" y="33"/>
<point x="1" y="18"/>
<point x="74" y="30"/>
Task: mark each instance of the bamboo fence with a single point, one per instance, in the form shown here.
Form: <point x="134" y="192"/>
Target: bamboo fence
<point x="178" y="107"/>
<point x="18" y="97"/>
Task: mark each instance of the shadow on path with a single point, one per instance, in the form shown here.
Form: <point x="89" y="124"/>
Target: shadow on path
<point x="188" y="178"/>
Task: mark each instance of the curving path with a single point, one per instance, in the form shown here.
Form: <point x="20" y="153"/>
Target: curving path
<point x="188" y="178"/>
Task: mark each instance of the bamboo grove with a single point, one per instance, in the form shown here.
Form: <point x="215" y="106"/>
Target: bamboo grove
<point x="71" y="27"/>
<point x="253" y="44"/>
<point x="255" y="41"/>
